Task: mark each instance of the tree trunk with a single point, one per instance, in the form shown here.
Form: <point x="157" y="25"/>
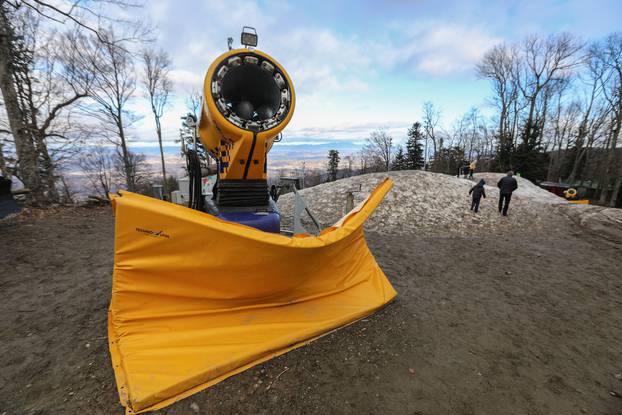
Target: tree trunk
<point x="27" y="166"/>
<point x="127" y="163"/>
<point x="530" y="122"/>
<point x="610" y="161"/>
<point x="425" y="155"/>
<point x="616" y="187"/>
<point x="575" y="166"/>
<point x="48" y="168"/>
<point x="434" y="162"/>
<point x="3" y="170"/>
<point x="551" y="169"/>
<point x="66" y="192"/>
<point x="159" y="131"/>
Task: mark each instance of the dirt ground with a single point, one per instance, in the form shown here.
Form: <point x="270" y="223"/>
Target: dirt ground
<point x="529" y="322"/>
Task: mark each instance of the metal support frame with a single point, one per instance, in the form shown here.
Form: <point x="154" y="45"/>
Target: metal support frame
<point x="299" y="206"/>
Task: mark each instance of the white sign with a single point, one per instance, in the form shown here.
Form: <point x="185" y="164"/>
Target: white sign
<point x="207" y="184"/>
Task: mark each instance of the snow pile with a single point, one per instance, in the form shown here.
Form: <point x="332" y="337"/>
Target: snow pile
<point x="526" y="189"/>
<point x="604" y="221"/>
<point x="428" y="203"/>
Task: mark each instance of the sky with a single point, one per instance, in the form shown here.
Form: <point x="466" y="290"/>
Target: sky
<point x="357" y="65"/>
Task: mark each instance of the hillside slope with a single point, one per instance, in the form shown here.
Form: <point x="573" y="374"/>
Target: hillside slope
<point x="430" y="203"/>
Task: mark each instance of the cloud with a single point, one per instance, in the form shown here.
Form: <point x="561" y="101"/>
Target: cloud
<point x="446" y="49"/>
<point x="185" y="80"/>
<point x="355" y="133"/>
<point x="320" y="60"/>
<point x="347" y="81"/>
<point x="433" y="47"/>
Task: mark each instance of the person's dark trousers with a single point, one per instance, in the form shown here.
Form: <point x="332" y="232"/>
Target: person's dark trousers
<point x="475" y="204"/>
<point x="503" y="207"/>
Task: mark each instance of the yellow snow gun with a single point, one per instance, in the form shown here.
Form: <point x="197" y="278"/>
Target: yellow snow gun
<point x="572" y="195"/>
<point x="248" y="100"/>
<point x="204" y="292"/>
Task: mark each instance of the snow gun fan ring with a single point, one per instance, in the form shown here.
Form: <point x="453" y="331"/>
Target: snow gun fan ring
<point x="251" y="92"/>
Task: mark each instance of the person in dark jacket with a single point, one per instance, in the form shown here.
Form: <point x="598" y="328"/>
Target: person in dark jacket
<point x="7" y="203"/>
<point x="478" y="192"/>
<point x="465" y="171"/>
<point x="506" y="186"/>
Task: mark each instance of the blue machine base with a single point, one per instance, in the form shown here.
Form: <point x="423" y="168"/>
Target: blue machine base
<point x="264" y="221"/>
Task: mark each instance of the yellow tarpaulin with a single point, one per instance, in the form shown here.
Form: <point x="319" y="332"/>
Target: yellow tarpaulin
<point x="196" y="299"/>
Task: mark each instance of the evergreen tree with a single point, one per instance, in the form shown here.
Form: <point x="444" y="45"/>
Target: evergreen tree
<point x="414" y="149"/>
<point x="332" y="165"/>
<point x="399" y="162"/>
<point x="449" y="160"/>
<point x="529" y="158"/>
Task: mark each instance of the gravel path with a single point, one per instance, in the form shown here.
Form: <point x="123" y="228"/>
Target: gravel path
<point x="527" y="322"/>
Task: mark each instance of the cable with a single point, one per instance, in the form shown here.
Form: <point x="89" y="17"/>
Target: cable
<point x="193" y="165"/>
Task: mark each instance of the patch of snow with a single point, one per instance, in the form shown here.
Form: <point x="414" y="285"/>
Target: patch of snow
<point x="429" y="203"/>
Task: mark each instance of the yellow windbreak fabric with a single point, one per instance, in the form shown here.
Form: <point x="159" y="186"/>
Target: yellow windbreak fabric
<point x="196" y="299"/>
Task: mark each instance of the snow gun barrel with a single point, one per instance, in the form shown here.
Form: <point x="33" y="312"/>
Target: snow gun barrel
<point x="248" y="101"/>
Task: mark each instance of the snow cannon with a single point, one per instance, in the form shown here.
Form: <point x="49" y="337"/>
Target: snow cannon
<point x="248" y="100"/>
<point x="206" y="291"/>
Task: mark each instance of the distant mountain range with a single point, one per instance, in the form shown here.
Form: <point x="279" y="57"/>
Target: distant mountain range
<point x="284" y="155"/>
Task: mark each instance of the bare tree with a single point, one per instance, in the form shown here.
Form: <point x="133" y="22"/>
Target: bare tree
<point x="48" y="87"/>
<point x="431" y="118"/>
<point x="138" y="169"/>
<point x="349" y="161"/>
<point x="4" y="171"/>
<point x="110" y="91"/>
<point x="546" y="62"/>
<point x="592" y="114"/>
<point x="34" y="165"/>
<point x="525" y="78"/>
<point x="26" y="164"/>
<point x="194" y="101"/>
<point x="609" y="54"/>
<point x="88" y="16"/>
<point x="380" y="146"/>
<point x="157" y="83"/>
<point x="474" y="145"/>
<point x="364" y="161"/>
<point x="97" y="164"/>
<point x="562" y="129"/>
<point x="500" y="65"/>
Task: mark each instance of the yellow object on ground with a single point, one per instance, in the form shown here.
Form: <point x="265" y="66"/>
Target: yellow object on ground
<point x="580" y="201"/>
<point x="570" y="193"/>
<point x="196" y="299"/>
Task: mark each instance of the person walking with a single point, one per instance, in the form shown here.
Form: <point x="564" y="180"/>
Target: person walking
<point x="472" y="167"/>
<point x="506" y="186"/>
<point x="478" y="192"/>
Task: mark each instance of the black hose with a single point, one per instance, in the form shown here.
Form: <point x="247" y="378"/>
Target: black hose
<point x="193" y="164"/>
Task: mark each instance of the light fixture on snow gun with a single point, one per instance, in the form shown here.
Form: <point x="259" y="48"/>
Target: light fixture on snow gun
<point x="249" y="37"/>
